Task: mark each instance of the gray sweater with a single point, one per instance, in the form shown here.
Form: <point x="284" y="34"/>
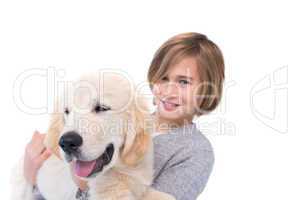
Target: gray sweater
<point x="183" y="160"/>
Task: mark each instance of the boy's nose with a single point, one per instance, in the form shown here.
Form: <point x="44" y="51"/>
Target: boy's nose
<point x="170" y="89"/>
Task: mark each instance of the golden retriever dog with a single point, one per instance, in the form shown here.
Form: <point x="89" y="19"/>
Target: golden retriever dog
<point x="97" y="132"/>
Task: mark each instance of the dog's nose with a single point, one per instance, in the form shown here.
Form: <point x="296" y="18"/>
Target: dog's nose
<point x="70" y="142"/>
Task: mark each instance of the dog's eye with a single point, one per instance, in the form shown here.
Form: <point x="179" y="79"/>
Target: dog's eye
<point x="101" y="108"/>
<point x="66" y="111"/>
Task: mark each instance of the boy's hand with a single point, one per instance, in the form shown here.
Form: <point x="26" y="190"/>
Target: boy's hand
<point x="35" y="154"/>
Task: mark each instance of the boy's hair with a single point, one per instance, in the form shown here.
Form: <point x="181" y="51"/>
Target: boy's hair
<point x="210" y="66"/>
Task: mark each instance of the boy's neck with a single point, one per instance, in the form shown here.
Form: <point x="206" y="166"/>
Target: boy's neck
<point x="164" y="125"/>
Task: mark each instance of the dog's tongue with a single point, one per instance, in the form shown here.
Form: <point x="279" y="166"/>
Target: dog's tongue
<point x="84" y="168"/>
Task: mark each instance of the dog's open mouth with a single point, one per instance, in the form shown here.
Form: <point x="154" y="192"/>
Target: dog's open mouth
<point x="88" y="168"/>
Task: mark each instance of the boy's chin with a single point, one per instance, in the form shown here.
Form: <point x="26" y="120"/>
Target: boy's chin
<point x="171" y="115"/>
<point x="174" y="116"/>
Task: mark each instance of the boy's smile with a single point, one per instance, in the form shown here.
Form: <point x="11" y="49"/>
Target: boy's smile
<point x="169" y="106"/>
<point x="174" y="93"/>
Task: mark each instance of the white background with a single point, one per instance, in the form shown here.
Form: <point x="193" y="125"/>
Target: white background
<point x="252" y="131"/>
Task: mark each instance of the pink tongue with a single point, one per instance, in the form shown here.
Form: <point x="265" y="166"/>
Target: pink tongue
<point x="84" y="168"/>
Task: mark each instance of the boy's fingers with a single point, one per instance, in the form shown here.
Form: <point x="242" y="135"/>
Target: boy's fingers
<point x="34" y="136"/>
<point x="38" y="137"/>
<point x="45" y="155"/>
<point x="39" y="149"/>
<point x="38" y="144"/>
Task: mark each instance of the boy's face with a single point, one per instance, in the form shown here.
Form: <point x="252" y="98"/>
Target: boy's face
<point x="175" y="94"/>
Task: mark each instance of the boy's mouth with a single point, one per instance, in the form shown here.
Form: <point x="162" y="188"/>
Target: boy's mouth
<point x="169" y="106"/>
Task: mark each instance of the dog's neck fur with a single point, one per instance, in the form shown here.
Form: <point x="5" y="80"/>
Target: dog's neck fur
<point x="122" y="180"/>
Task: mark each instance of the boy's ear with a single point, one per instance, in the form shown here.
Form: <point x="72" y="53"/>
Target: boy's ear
<point x="52" y="135"/>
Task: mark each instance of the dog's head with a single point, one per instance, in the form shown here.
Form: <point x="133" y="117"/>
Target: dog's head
<point x="98" y="123"/>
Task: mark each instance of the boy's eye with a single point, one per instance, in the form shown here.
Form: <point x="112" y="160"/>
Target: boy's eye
<point x="164" y="78"/>
<point x="184" y="82"/>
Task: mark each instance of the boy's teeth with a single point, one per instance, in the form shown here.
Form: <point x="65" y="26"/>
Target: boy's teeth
<point x="169" y="105"/>
<point x="173" y="104"/>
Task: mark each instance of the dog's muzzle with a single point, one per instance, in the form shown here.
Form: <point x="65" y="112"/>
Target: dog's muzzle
<point x="70" y="143"/>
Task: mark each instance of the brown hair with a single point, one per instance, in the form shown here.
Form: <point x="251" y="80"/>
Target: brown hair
<point x="209" y="60"/>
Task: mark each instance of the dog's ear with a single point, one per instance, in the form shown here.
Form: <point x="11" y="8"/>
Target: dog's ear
<point x="52" y="135"/>
<point x="137" y="138"/>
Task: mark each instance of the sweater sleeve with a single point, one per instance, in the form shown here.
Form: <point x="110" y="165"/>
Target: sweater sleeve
<point x="185" y="175"/>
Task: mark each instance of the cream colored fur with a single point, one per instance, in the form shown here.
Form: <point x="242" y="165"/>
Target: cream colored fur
<point x="129" y="175"/>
